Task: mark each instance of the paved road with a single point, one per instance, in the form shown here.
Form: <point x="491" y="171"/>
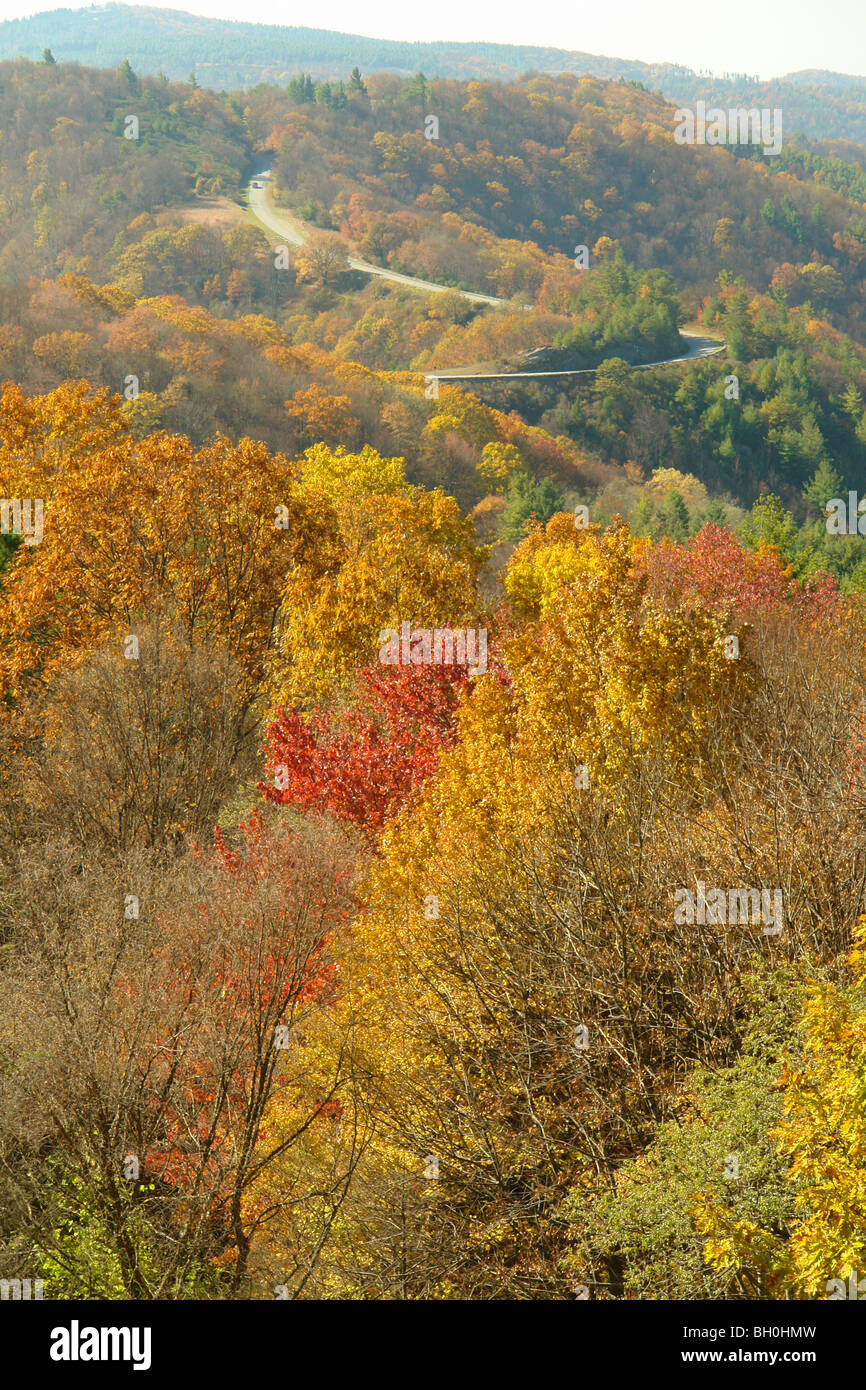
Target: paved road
<point x="699" y="346"/>
<point x="262" y="208"/>
<point x="283" y="226"/>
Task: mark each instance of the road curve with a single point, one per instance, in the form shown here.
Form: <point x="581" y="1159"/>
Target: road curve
<point x="264" y="212"/>
<point x="699" y="347"/>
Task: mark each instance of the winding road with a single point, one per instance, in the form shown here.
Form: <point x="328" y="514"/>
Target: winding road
<point x="290" y="231"/>
<point x="263" y="210"/>
<point x="699" y="346"/>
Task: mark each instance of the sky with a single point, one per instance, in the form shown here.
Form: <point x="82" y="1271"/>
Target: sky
<point x="765" y="38"/>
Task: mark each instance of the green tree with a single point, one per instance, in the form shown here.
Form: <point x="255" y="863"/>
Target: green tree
<point x="737" y="325"/>
<point x="824" y="484"/>
<point x="672" y="518"/>
<point x="642" y="1240"/>
<point x="852" y="403"/>
<point x="770" y="523"/>
<point x="416" y="88"/>
<point x="642" y="517"/>
<point x="715" y="514"/>
<point x="525" y="498"/>
<point x="610" y="377"/>
<point x="129" y="76"/>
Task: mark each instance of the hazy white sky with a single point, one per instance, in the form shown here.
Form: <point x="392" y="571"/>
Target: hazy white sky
<point x="765" y="37"/>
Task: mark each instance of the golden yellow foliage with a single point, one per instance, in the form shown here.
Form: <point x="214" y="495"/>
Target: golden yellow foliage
<point x="133" y="526"/>
<point x="387" y="556"/>
<point x="823" y="1136"/>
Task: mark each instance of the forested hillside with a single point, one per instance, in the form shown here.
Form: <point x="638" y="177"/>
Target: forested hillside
<point x="71" y="179"/>
<point x="431" y="859"/>
<point x="766" y="253"/>
<point x="232" y="54"/>
<point x="554" y="162"/>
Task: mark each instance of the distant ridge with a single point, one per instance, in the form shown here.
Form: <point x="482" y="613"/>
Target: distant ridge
<point x="233" y="53"/>
<point x="228" y="55"/>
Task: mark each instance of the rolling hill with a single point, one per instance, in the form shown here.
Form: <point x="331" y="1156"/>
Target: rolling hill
<point x="228" y="54"/>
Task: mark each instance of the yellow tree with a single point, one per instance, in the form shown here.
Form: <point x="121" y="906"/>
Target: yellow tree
<point x="498" y="462"/>
<point x="323" y="416"/>
<point x="389" y="553"/>
<point x="510" y="976"/>
<point x="134" y="526"/>
<point x="322" y="258"/>
<point x="823" y="1138"/>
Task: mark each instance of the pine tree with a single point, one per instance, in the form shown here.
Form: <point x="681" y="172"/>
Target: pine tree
<point x="715" y="514"/>
<point x="852" y="403"/>
<point x="824" y="485"/>
<point x="672" y="518"/>
<point x="527" y="498"/>
<point x="127" y="73"/>
<point x="642" y="516"/>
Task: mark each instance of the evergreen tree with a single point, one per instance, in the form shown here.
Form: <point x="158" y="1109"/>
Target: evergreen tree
<point x="417" y="88"/>
<point x="770" y="523"/>
<point x="672" y="519"/>
<point x="526" y="498"/>
<point x="737" y="325"/>
<point x="642" y="516"/>
<point x="852" y="403"/>
<point x="715" y="515"/>
<point x="824" y="485"/>
<point x="129" y="76"/>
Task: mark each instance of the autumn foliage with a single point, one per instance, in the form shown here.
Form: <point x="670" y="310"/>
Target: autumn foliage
<point x="365" y="910"/>
<point x="716" y="569"/>
<point x="363" y="764"/>
<point x="331" y="978"/>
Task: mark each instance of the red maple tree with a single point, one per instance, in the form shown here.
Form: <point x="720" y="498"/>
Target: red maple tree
<point x="716" y="568"/>
<point x="363" y="763"/>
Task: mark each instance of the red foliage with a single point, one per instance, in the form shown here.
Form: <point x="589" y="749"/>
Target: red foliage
<point x="253" y="952"/>
<point x="716" y="569"/>
<point x="364" y="765"/>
